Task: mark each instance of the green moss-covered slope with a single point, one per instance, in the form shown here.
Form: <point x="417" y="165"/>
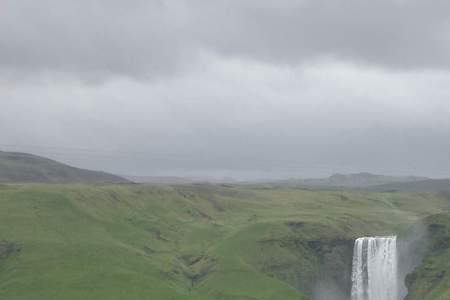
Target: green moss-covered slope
<point x="187" y="242"/>
<point x="431" y="280"/>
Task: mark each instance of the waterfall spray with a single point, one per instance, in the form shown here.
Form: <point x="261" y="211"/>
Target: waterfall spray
<point x="374" y="275"/>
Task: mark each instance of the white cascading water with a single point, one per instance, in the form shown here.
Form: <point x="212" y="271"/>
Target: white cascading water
<point x="374" y="274"/>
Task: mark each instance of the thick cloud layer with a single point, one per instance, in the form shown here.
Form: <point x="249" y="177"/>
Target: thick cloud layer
<point x="156" y="37"/>
<point x="240" y="88"/>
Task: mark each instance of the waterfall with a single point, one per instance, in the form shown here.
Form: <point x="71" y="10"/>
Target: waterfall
<point x="374" y="274"/>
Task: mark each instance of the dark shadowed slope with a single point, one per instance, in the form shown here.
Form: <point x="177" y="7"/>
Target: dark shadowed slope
<point x="22" y="167"/>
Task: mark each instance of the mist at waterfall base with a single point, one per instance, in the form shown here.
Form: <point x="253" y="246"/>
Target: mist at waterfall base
<point x="411" y="247"/>
<point x="409" y="250"/>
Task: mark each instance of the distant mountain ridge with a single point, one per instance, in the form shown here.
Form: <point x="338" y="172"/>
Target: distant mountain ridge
<point x="29" y="168"/>
<point x="355" y="180"/>
<point x="162" y="179"/>
<point x="361" y="179"/>
<point x="373" y="183"/>
<point x="179" y="180"/>
<point x="422" y="186"/>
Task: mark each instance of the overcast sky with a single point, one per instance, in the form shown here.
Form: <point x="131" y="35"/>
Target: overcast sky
<point x="243" y="88"/>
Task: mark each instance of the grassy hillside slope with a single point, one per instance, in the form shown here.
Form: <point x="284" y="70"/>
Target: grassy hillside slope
<point x="431" y="280"/>
<point x="187" y="242"/>
<point x="22" y="167"/>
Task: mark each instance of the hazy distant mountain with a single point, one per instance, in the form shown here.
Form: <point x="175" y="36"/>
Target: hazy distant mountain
<point x="361" y="179"/>
<point x="353" y="180"/>
<point x="161" y="179"/>
<point x="430" y="185"/>
<point x="23" y="167"/>
<point x="177" y="179"/>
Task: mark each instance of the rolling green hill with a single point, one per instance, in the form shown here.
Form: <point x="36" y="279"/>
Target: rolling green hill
<point x="22" y="167"/>
<point x="202" y="242"/>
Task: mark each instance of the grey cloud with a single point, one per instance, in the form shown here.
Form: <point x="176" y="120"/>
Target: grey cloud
<point x="400" y="34"/>
<point x="245" y="88"/>
<point x="90" y="38"/>
<point x="237" y="117"/>
<point x="152" y="38"/>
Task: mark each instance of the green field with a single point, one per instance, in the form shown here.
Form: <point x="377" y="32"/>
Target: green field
<point x="193" y="242"/>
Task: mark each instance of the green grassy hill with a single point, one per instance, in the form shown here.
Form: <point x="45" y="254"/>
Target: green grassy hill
<point x="22" y="167"/>
<point x="431" y="280"/>
<point x="197" y="242"/>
